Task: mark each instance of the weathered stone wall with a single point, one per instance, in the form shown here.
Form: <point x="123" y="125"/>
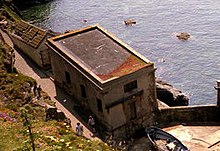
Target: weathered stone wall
<point x="145" y="104"/>
<point x="134" y="128"/>
<point x="27" y="50"/>
<point x="189" y="114"/>
<point x="59" y="67"/>
<point x="43" y="50"/>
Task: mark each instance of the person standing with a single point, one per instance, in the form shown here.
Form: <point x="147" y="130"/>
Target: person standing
<point x="35" y="89"/>
<point x="91" y="123"/>
<point x="81" y="128"/>
<point x="39" y="92"/>
<point x="78" y="129"/>
<point x="12" y="59"/>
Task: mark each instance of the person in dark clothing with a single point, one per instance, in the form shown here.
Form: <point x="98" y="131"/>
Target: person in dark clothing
<point x="39" y="92"/>
<point x="35" y="89"/>
<point x="91" y="123"/>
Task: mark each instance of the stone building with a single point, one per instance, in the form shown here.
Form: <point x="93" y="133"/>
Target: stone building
<point x="105" y="75"/>
<point x="31" y="41"/>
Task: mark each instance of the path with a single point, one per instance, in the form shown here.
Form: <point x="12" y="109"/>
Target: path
<point x="63" y="101"/>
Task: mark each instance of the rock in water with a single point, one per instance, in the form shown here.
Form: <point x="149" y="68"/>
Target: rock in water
<point x="129" y="22"/>
<point x="183" y="36"/>
<point x="170" y="95"/>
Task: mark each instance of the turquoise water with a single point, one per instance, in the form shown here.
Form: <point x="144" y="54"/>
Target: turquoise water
<point x="192" y="66"/>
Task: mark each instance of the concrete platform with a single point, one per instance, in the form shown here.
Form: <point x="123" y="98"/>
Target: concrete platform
<point x="197" y="138"/>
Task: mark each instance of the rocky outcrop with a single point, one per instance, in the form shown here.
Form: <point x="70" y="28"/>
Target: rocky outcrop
<point x="170" y="95"/>
<point x="53" y="114"/>
<point x="129" y="22"/>
<point x="183" y="36"/>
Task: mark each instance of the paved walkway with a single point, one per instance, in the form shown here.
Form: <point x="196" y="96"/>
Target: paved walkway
<point x="63" y="101"/>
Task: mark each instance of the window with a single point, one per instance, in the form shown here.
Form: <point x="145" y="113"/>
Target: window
<point x="83" y="91"/>
<point x="99" y="105"/>
<point x="68" y="80"/>
<point x="130" y="86"/>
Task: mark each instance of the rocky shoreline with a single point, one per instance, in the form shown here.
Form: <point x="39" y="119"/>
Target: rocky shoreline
<point x="170" y="95"/>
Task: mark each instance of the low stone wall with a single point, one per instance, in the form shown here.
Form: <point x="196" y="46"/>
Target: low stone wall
<point x="188" y="115"/>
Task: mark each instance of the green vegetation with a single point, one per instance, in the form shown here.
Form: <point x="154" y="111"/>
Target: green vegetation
<point x="51" y="135"/>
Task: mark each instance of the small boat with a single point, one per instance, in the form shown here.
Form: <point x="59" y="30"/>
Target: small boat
<point x="163" y="141"/>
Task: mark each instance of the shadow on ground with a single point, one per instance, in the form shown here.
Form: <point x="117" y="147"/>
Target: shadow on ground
<point x="33" y="65"/>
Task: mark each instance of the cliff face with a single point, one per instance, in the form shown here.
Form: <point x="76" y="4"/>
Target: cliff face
<point x="170" y="95"/>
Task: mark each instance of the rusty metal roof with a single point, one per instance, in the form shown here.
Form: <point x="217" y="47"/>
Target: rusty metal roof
<point x="29" y="34"/>
<point x="99" y="52"/>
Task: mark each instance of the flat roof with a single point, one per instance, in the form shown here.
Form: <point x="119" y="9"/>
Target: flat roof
<point x="99" y="52"/>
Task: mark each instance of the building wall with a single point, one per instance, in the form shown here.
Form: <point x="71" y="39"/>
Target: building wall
<point x="43" y="50"/>
<point x="35" y="55"/>
<point x="145" y="104"/>
<point x="27" y="50"/>
<point x="59" y="67"/>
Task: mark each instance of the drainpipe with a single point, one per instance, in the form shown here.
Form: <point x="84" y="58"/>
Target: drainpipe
<point x="218" y="92"/>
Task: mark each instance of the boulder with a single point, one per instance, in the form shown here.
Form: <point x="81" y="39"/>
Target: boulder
<point x="52" y="113"/>
<point x="183" y="36"/>
<point x="60" y="116"/>
<point x="170" y="95"/>
<point x="129" y="22"/>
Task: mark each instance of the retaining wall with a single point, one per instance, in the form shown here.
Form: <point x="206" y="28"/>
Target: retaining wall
<point x="189" y="115"/>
